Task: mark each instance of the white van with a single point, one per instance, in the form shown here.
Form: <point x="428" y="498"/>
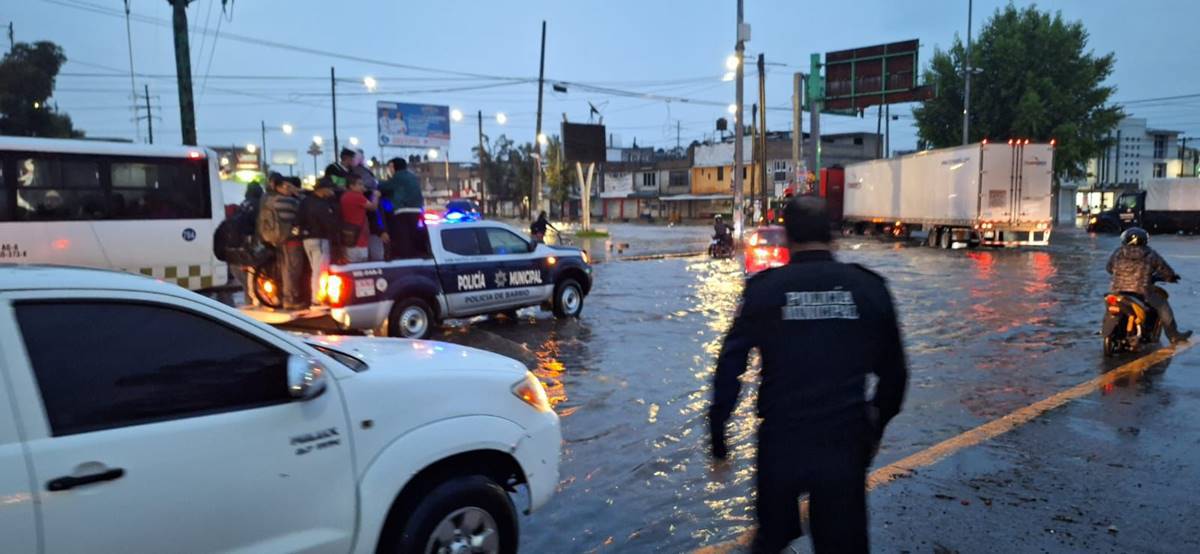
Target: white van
<point x="139" y="208"/>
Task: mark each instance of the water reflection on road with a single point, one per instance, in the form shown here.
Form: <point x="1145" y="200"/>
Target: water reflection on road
<point x="987" y="331"/>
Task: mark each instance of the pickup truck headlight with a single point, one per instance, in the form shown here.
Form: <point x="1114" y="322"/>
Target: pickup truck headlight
<point x="531" y="392"/>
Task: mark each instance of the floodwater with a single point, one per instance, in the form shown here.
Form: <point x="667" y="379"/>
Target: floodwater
<point x="986" y="331"/>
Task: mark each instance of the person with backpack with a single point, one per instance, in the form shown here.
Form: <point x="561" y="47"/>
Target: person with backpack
<point x="277" y="228"/>
<point x="354" y="207"/>
<point x="320" y="227"/>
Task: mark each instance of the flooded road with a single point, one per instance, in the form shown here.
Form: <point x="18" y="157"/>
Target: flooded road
<point x="987" y="332"/>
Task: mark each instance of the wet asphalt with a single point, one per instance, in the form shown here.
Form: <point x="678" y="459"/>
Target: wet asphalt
<point x="986" y="332"/>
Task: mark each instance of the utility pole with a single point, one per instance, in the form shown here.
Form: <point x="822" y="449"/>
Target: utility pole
<point x="537" y="137"/>
<point x="183" y="71"/>
<point x="677" y="146"/>
<point x="967" y="69"/>
<point x="762" y="132"/>
<point x="1182" y="152"/>
<point x="740" y="53"/>
<point x="887" y="130"/>
<point x="149" y="116"/>
<point x="816" y="99"/>
<point x="797" y="130"/>
<point x="132" y="86"/>
<point x="12" y="40"/>
<point x="879" y="131"/>
<point x="482" y="172"/>
<point x="333" y="95"/>
<point x="262" y="156"/>
<point x="754" y="153"/>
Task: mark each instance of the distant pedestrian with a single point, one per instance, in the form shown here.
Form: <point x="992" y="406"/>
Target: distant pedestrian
<point x="355" y="205"/>
<point x="277" y="228"/>
<point x="320" y="227"/>
<point x="409" y="237"/>
<point x="820" y="327"/>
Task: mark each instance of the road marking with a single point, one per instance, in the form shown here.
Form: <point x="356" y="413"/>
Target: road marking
<point x="997" y="427"/>
<point x="990" y="430"/>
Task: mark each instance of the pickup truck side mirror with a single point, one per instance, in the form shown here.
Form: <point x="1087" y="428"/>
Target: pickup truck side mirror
<point x="305" y="377"/>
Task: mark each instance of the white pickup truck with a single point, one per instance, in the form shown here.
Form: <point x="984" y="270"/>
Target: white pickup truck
<point x="136" y="416"/>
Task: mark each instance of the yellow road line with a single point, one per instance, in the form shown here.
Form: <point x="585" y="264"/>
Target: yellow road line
<point x="1007" y="423"/>
<point x="987" y="431"/>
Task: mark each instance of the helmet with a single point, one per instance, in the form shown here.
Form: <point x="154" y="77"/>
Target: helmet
<point x="1135" y="235"/>
<point x="717" y="217"/>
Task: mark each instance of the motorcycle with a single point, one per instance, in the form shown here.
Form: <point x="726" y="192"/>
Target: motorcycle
<point x="721" y="247"/>
<point x="1130" y="322"/>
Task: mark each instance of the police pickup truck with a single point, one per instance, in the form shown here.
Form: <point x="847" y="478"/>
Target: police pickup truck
<point x="478" y="267"/>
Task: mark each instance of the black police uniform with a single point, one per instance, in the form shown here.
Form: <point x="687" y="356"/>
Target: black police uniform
<point x="820" y="326"/>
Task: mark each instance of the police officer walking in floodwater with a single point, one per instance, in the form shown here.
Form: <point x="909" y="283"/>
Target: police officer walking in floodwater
<point x="821" y="327"/>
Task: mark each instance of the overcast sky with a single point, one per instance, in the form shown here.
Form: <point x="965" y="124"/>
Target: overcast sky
<point x="671" y="48"/>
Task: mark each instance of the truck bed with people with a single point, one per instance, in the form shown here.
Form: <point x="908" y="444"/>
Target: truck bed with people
<point x="312" y="257"/>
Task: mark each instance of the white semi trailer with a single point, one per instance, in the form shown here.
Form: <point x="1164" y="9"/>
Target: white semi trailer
<point x="991" y="194"/>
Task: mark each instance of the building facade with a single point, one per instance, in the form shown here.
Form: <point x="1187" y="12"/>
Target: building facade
<point x="442" y="182"/>
<point x="1138" y="153"/>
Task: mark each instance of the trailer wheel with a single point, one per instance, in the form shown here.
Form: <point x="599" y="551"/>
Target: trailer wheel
<point x="947" y="238"/>
<point x="932" y="240"/>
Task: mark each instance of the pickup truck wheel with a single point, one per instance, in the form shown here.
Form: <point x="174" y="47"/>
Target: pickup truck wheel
<point x="411" y="319"/>
<point x="465" y="514"/>
<point x="568" y="299"/>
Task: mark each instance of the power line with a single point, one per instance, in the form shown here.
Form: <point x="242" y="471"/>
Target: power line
<point x="102" y="10"/>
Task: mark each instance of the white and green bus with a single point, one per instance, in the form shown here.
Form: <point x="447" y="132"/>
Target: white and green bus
<point x="139" y="208"/>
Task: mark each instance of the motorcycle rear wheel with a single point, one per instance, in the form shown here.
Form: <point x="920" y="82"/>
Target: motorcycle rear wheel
<point x="1110" y="347"/>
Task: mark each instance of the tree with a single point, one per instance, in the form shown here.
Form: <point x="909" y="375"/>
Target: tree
<point x="1035" y="79"/>
<point x="27" y="75"/>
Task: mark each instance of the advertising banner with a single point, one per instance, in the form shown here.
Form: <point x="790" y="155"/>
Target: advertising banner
<point x="413" y="125"/>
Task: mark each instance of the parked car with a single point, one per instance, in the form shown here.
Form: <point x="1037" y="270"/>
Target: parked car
<point x="141" y="417"/>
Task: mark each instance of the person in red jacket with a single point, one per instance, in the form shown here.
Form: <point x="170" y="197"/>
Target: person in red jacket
<point x="355" y="230"/>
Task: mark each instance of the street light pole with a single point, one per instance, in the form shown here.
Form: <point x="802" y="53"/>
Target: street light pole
<point x="762" y="133"/>
<point x="740" y="49"/>
<point x="262" y="157"/>
<point x="537" y="145"/>
<point x="333" y="95"/>
<point x="482" y="173"/>
<point x="967" y="69"/>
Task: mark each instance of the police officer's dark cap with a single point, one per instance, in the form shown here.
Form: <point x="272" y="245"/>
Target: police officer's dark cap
<point x="807" y="220"/>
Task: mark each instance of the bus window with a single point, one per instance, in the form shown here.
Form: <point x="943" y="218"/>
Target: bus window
<point x="58" y="189"/>
<point x="158" y="190"/>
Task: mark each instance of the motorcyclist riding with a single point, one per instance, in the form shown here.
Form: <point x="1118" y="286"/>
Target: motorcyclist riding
<point x="1134" y="267"/>
<point x="721" y="231"/>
